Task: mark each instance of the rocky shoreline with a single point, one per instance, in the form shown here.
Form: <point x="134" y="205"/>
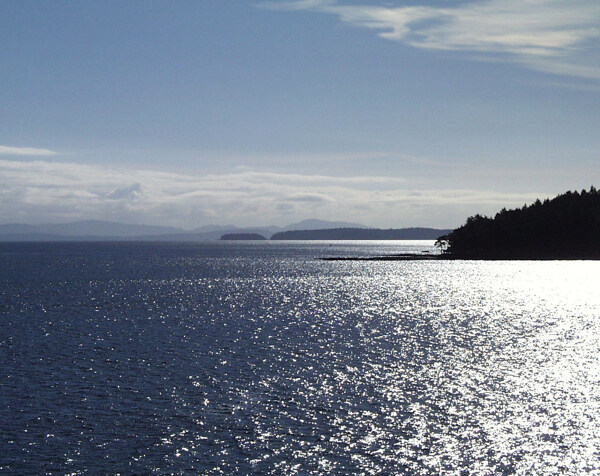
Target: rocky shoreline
<point x="400" y="257"/>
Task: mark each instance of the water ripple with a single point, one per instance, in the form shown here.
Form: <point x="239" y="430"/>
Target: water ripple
<point x="263" y="360"/>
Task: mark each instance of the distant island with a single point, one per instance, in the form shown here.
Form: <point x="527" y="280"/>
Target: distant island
<point x="566" y="227"/>
<point x="100" y="230"/>
<point x="361" y="234"/>
<point x="242" y="236"/>
<point x="310" y="229"/>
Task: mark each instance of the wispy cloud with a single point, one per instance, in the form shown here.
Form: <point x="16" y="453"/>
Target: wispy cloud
<point x="131" y="192"/>
<point x="554" y="36"/>
<point x="56" y="191"/>
<point x="6" y="150"/>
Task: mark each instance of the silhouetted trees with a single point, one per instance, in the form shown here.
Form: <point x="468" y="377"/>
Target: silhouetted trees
<point x="566" y="227"/>
<point x="360" y="234"/>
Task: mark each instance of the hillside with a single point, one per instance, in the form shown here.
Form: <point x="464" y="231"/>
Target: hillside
<point x="361" y="234"/>
<point x="566" y="227"/>
<point x="98" y="230"/>
<point x="84" y="228"/>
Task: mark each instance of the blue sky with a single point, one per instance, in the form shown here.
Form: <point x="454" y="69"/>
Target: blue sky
<point x="392" y="113"/>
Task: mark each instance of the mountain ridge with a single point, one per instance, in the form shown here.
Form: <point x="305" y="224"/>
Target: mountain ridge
<point x="100" y="230"/>
<point x="413" y="233"/>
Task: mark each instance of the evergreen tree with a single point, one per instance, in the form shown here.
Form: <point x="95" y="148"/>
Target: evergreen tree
<point x="566" y="227"/>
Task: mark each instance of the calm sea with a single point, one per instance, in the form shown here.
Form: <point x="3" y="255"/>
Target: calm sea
<point x="256" y="358"/>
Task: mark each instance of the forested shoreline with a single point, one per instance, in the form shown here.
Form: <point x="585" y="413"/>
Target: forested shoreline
<point x="360" y="234"/>
<point x="565" y="227"/>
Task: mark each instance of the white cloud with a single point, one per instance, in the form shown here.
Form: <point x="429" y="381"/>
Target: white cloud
<point x="6" y="150"/>
<point x="554" y="36"/>
<point x="42" y="191"/>
<point x="130" y="193"/>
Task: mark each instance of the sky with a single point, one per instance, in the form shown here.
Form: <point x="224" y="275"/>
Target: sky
<point x="384" y="113"/>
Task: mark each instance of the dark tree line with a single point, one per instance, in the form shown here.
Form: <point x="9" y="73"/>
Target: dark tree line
<point x="360" y="234"/>
<point x="566" y="227"/>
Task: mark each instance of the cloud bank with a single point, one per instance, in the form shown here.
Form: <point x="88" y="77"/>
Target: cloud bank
<point x="554" y="36"/>
<point x="6" y="150"/>
<point x="41" y="191"/>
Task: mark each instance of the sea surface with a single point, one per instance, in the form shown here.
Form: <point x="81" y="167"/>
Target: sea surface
<point x="257" y="358"/>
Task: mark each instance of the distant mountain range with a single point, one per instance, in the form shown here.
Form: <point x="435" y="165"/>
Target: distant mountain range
<point x="97" y="230"/>
<point x="314" y="224"/>
<point x="87" y="228"/>
<point x="362" y="234"/>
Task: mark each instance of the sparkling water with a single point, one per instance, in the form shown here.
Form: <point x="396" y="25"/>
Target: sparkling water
<point x="257" y="358"/>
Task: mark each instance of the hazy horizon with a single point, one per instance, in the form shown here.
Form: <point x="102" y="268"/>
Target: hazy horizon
<point x="308" y="224"/>
<point x="388" y="114"/>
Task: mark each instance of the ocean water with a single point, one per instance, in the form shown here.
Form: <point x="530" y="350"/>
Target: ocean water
<point x="257" y="358"/>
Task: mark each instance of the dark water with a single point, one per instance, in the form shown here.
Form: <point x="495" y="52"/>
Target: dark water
<point x="255" y="358"/>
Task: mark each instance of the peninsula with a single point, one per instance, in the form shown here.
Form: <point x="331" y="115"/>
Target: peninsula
<point x="566" y="227"/>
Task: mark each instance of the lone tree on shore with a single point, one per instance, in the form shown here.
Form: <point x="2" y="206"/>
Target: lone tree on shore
<point x="442" y="244"/>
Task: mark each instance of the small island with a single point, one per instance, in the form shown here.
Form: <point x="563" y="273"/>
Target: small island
<point x="242" y="236"/>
